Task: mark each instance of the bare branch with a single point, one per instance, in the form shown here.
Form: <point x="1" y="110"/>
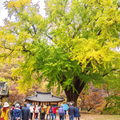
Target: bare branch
<point x="34" y="29"/>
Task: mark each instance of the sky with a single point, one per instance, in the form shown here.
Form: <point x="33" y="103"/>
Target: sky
<point x="4" y="14"/>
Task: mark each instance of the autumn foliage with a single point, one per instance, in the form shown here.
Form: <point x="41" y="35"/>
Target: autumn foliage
<point x="14" y="94"/>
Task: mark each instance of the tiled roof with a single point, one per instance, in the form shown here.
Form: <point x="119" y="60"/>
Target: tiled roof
<point x="43" y="97"/>
<point x="2" y="84"/>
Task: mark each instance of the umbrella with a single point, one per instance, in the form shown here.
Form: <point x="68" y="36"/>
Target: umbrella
<point x="69" y="103"/>
<point x="65" y="106"/>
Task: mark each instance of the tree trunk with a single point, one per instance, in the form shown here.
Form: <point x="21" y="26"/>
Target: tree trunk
<point x="73" y="95"/>
<point x="104" y="107"/>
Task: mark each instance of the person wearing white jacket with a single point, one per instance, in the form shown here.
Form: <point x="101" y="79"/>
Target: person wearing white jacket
<point x="36" y="112"/>
<point x="31" y="111"/>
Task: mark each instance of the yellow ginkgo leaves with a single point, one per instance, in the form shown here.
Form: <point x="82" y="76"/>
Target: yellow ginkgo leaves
<point x="18" y="3"/>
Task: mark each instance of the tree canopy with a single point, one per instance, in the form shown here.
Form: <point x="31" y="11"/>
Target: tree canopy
<point x="74" y="44"/>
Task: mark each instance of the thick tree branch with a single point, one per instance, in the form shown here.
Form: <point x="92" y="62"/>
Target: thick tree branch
<point x="109" y="72"/>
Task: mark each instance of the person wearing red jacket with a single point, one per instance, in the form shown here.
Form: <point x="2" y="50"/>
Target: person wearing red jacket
<point x="54" y="111"/>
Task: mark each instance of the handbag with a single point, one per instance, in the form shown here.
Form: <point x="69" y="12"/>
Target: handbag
<point x="1" y="118"/>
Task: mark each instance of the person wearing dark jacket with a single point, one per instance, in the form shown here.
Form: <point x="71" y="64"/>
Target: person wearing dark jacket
<point x="0" y="108"/>
<point x="11" y="111"/>
<point x="25" y="112"/>
<point x="51" y="113"/>
<point x="17" y="113"/>
<point x="76" y="113"/>
<point x="71" y="112"/>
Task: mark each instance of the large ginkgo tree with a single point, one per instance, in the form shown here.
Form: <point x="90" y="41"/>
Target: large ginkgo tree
<point x="75" y="43"/>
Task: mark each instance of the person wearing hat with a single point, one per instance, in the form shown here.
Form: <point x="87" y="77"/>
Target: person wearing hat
<point x="61" y="112"/>
<point x="17" y="113"/>
<point x="5" y="112"/>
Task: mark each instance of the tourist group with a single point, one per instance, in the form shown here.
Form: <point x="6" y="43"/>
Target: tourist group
<point x="35" y="112"/>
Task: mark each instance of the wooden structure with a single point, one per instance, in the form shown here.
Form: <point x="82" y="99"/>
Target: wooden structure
<point x="46" y="98"/>
<point x="4" y="90"/>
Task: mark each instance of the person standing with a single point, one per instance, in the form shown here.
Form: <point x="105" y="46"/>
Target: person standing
<point x="31" y="111"/>
<point x="5" y="112"/>
<point x="76" y="113"/>
<point x="61" y="113"/>
<point x="17" y="113"/>
<point x="25" y="113"/>
<point x="42" y="113"/>
<point x="47" y="111"/>
<point x="0" y="108"/>
<point x="71" y="112"/>
<point x="11" y="111"/>
<point x="51" y="113"/>
<point x="36" y="112"/>
<point x="54" y="111"/>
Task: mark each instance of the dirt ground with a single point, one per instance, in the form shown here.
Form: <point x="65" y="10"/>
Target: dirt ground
<point x="94" y="117"/>
<point x="99" y="117"/>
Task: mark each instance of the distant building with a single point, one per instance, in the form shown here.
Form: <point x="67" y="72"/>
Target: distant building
<point x="4" y="90"/>
<point x="46" y="98"/>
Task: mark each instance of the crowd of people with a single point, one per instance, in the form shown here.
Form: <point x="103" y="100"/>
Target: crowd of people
<point x="32" y="112"/>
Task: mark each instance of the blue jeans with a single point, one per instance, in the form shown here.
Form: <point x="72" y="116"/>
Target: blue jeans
<point x="54" y="115"/>
<point x="11" y="117"/>
<point x="47" y="116"/>
<point x="51" y="114"/>
<point x="71" y="117"/>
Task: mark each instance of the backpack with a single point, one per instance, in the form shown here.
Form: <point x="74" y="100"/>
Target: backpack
<point x="50" y="110"/>
<point x="11" y="111"/>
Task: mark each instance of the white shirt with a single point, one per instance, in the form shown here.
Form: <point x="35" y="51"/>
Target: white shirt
<point x="36" y="109"/>
<point x="31" y="109"/>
